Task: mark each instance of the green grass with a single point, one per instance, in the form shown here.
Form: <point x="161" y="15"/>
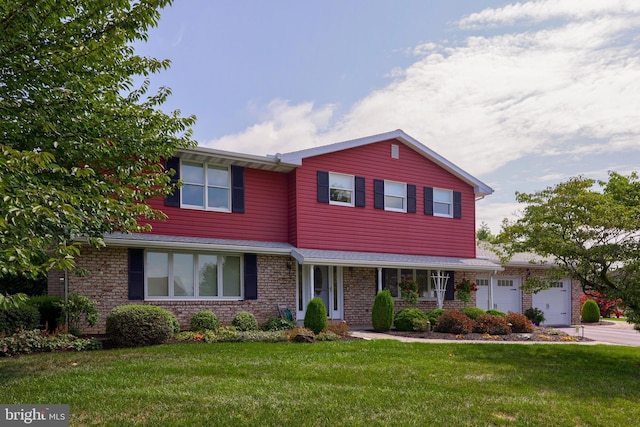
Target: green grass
<point x="373" y="383"/>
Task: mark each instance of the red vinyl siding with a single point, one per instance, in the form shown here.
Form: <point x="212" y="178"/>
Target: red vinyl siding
<point x="325" y="226"/>
<point x="265" y="218"/>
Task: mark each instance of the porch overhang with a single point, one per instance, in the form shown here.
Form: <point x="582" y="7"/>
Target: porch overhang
<point x="156" y="241"/>
<point x="372" y="259"/>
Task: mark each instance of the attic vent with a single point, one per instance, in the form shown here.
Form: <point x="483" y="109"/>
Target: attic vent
<point x="395" y="151"/>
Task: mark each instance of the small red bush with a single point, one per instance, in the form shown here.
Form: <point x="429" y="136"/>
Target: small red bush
<point x="454" y="322"/>
<point x="519" y="322"/>
<point x="494" y="325"/>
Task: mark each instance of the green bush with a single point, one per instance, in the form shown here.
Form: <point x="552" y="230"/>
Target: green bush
<point x="590" y="311"/>
<point x="76" y="308"/>
<point x="22" y="316"/>
<point x="382" y="312"/>
<point x="473" y="312"/>
<point x="244" y="321"/>
<point x="495" y="312"/>
<point x="421" y="325"/>
<point x="278" y="324"/>
<point x="454" y="322"/>
<point x="405" y="318"/>
<point x="535" y="315"/>
<point x="37" y="341"/>
<point x="315" y="317"/>
<point x="49" y="309"/>
<point x="493" y="325"/>
<point x="519" y="323"/>
<point x="204" y="320"/>
<point x="434" y="315"/>
<point x="139" y="325"/>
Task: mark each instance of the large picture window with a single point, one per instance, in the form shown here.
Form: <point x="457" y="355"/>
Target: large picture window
<point x="190" y="275"/>
<point x="205" y="186"/>
<point x="392" y="276"/>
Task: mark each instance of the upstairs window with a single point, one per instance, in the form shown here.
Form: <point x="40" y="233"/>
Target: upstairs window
<point x="395" y="196"/>
<point x="443" y="203"/>
<point x="341" y="189"/>
<point x="205" y="186"/>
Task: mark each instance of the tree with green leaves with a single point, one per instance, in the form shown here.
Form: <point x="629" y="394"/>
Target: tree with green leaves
<point x="82" y="147"/>
<point x="592" y="230"/>
<point x="483" y="233"/>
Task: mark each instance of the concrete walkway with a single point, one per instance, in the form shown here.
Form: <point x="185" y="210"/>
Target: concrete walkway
<point x="610" y="333"/>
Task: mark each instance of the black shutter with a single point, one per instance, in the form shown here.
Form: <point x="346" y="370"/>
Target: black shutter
<point x="450" y="292"/>
<point x="360" y="192"/>
<point x="378" y="194"/>
<point x="250" y="276"/>
<point x="428" y="200"/>
<point x="237" y="189"/>
<point x="173" y="199"/>
<point x="457" y="204"/>
<point x="136" y="274"/>
<point x="323" y="187"/>
<point x="411" y="198"/>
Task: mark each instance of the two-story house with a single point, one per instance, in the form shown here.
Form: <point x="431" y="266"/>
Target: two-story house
<point x="341" y="222"/>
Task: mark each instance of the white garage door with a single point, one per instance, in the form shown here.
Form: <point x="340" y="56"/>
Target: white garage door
<point x="506" y="295"/>
<point x="555" y="303"/>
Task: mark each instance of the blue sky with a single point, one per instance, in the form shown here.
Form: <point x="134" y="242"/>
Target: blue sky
<point x="522" y="95"/>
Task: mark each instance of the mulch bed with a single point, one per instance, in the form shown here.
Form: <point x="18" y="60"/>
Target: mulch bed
<point x="538" y="335"/>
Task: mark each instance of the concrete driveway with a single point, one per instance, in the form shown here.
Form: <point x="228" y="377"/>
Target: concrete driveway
<point x="620" y="333"/>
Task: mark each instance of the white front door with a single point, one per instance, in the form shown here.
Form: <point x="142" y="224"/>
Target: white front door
<point x="506" y="295"/>
<point x="324" y="282"/>
<point x="555" y="303"/>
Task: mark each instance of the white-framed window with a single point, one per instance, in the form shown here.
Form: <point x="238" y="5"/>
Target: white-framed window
<point x="392" y="276"/>
<point x="443" y="203"/>
<point x="506" y="283"/>
<point x="341" y="189"/>
<point x="482" y="282"/>
<point x="205" y="186"/>
<point x="395" y="196"/>
<point x="185" y="275"/>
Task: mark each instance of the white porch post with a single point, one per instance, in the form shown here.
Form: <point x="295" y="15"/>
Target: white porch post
<point x="379" y="279"/>
<point x="311" y="282"/>
<point x="490" y="296"/>
<point x="440" y="282"/>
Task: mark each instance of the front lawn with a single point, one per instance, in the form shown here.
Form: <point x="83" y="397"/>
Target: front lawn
<point x="334" y="383"/>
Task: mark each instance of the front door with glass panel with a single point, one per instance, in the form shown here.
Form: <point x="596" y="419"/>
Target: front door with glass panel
<point x="324" y="282"/>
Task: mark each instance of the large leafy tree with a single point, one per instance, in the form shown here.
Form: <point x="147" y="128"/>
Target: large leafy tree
<point x="81" y="144"/>
<point x="591" y="228"/>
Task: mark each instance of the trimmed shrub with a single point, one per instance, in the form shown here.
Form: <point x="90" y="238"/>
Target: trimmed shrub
<point x="493" y="325"/>
<point x="405" y="318"/>
<point x="434" y="315"/>
<point x="278" y="324"/>
<point x="473" y="312"/>
<point x="24" y="316"/>
<point x="315" y="317"/>
<point x="245" y="321"/>
<point x="519" y="323"/>
<point x="135" y="325"/>
<point x="454" y="322"/>
<point x="50" y="310"/>
<point x="382" y="312"/>
<point x="421" y="325"/>
<point x="590" y="311"/>
<point x="495" y="312"/>
<point x="204" y="320"/>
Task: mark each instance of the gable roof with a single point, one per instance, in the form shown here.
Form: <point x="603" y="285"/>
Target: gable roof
<point x="481" y="189"/>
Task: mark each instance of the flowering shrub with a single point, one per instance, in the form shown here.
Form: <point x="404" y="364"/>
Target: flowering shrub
<point x="463" y="290"/>
<point x="409" y="289"/>
<point x="608" y="307"/>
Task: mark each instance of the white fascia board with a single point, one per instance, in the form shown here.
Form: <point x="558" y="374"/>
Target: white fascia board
<point x="205" y="154"/>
